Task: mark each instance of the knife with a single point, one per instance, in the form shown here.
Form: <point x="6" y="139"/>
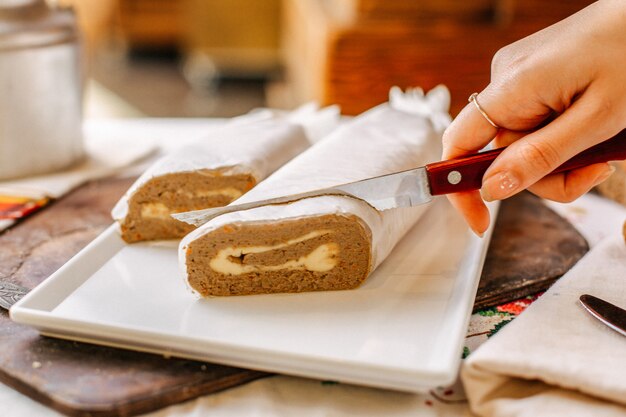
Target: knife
<point x="419" y="185"/>
<point x="607" y="313"/>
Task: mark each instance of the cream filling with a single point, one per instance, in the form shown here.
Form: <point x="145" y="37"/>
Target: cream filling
<point x="321" y="259"/>
<point x="155" y="211"/>
<point x="161" y="211"/>
<point x="231" y="192"/>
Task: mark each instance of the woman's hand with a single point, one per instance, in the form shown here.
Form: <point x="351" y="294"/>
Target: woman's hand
<point x="553" y="95"/>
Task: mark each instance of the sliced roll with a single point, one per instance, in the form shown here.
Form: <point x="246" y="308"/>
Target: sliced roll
<point x="214" y="171"/>
<point x="328" y="242"/>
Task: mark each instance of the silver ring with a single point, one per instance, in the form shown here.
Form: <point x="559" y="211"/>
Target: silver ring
<point x="474" y="99"/>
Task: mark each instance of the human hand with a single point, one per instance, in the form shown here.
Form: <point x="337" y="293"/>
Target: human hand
<point x="553" y="95"/>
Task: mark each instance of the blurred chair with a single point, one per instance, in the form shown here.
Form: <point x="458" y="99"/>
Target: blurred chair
<point x="239" y="37"/>
<point x="350" y="52"/>
<point x="217" y="38"/>
<point x="151" y="24"/>
<point x="96" y="19"/>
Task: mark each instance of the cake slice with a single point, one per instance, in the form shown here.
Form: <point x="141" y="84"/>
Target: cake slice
<point x="214" y="171"/>
<point x="327" y="242"/>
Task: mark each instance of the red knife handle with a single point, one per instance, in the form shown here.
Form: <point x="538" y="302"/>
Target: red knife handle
<point x="466" y="173"/>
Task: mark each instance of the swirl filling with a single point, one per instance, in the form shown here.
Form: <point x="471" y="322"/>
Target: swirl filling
<point x="326" y="252"/>
<point x="150" y="207"/>
<point x="233" y="260"/>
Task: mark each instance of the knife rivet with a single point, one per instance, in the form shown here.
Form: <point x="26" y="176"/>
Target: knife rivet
<point x="454" y="177"/>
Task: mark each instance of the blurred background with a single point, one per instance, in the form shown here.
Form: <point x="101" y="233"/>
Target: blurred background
<point x="200" y="58"/>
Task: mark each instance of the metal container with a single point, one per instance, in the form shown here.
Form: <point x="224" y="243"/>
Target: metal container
<point x="40" y="89"/>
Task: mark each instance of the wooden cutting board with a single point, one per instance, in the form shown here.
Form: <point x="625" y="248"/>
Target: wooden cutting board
<point x="531" y="247"/>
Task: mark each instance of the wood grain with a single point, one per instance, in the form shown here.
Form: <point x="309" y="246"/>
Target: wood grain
<point x="531" y="247"/>
<point x="470" y="170"/>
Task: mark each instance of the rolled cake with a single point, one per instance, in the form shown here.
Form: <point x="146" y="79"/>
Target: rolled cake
<point x="213" y="171"/>
<point x="327" y="242"/>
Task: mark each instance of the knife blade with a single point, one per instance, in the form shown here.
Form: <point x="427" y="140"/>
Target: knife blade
<point x="401" y="189"/>
<point x="418" y="186"/>
<point x="609" y="314"/>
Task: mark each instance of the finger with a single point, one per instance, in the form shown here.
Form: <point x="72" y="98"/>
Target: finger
<point x="534" y="156"/>
<point x="568" y="186"/>
<point x="469" y="132"/>
<point x="510" y="108"/>
<point x="507" y="137"/>
<point x="473" y="210"/>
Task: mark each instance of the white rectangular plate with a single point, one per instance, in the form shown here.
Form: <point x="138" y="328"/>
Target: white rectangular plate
<point x="402" y="329"/>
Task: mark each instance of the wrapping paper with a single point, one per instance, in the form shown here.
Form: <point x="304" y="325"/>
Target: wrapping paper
<point x="400" y="135"/>
<point x="255" y="144"/>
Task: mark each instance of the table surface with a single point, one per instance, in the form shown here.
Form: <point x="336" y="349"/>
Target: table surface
<point x="593" y="216"/>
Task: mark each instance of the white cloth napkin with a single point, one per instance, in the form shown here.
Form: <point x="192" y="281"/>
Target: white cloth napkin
<point x="556" y="359"/>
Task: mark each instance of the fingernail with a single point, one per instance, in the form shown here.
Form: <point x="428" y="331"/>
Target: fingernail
<point x="484" y="193"/>
<point x="479" y="234"/>
<point x="499" y="186"/>
<point x="605" y="175"/>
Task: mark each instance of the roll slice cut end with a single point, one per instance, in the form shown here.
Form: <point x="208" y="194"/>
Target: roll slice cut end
<point x="317" y="253"/>
<point x="151" y="206"/>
